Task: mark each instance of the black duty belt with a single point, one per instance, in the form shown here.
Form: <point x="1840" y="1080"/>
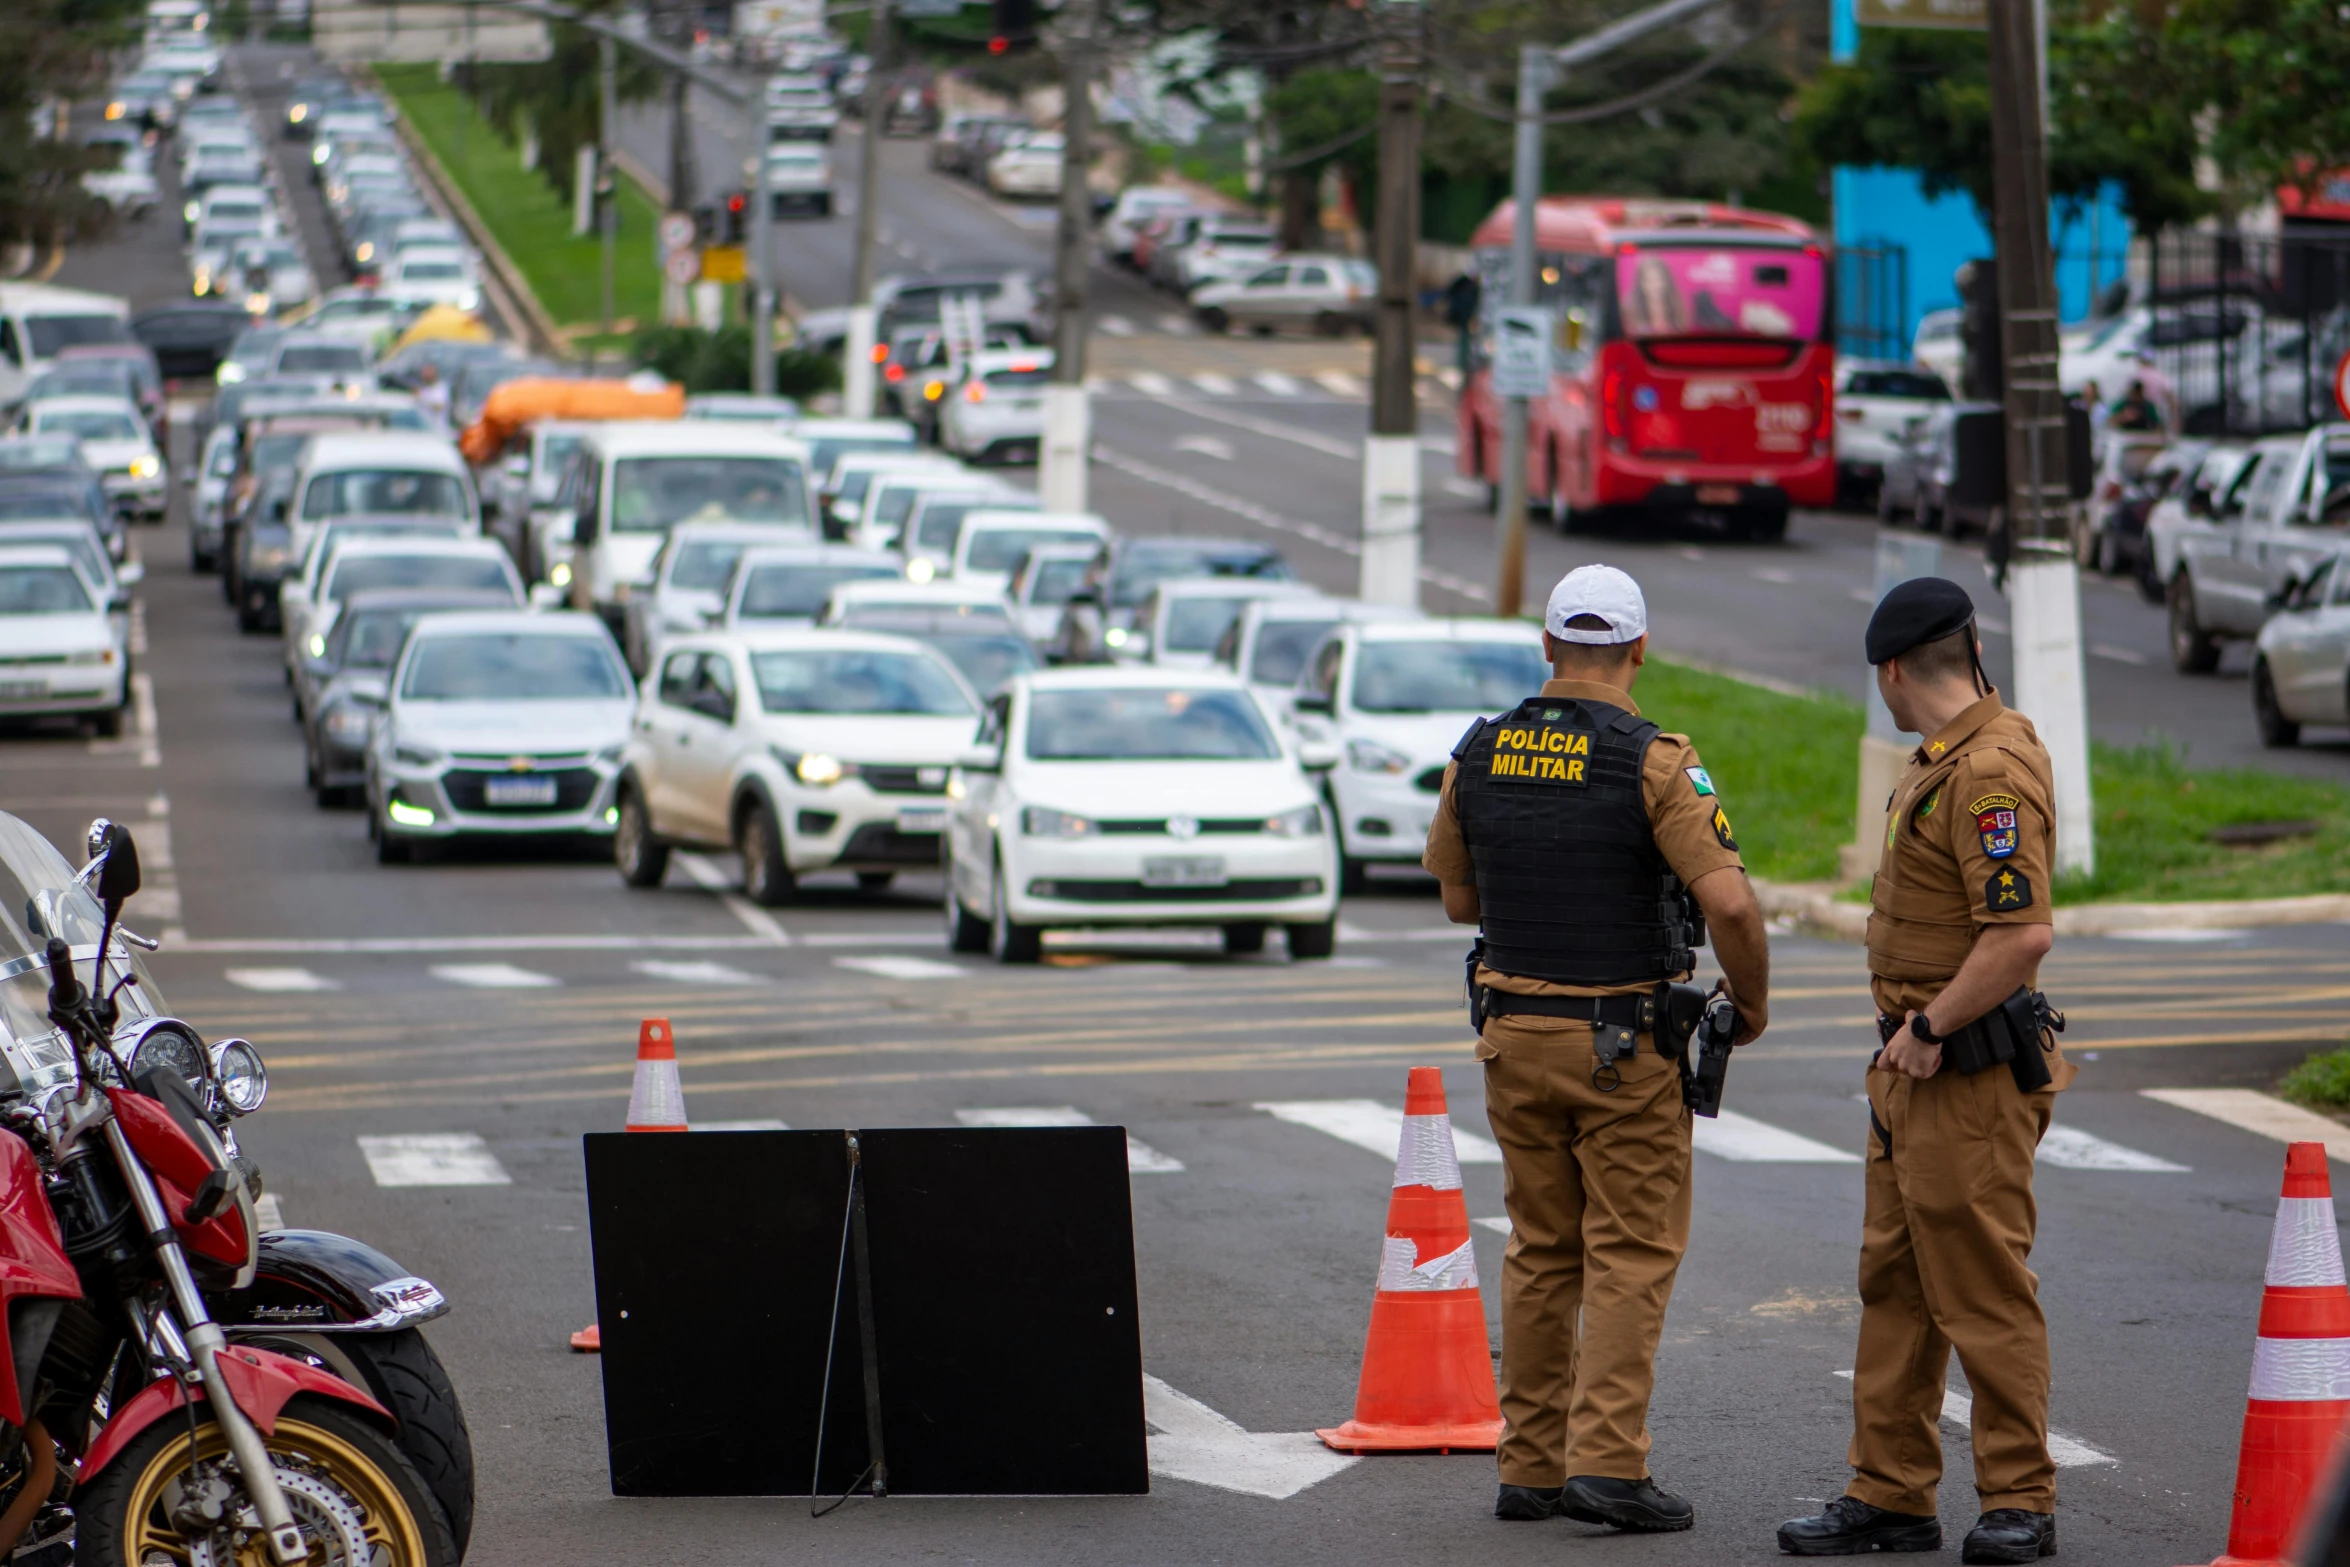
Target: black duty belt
<point x="1634" y="1012"/>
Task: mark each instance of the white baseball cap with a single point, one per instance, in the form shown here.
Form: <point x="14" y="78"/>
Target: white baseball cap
<point x="1603" y="591"/>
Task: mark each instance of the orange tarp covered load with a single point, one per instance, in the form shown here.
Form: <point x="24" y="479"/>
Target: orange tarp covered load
<point x="517" y="404"/>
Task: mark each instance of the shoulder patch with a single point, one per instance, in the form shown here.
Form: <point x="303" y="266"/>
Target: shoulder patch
<point x="2007" y="890"/>
<point x="1933" y="798"/>
<point x="1721" y="825"/>
<point x="1994" y="802"/>
<point x="1699" y="780"/>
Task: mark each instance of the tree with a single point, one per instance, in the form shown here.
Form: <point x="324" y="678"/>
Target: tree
<point x="59" y="50"/>
<point x="2274" y="78"/>
<point x="561" y="98"/>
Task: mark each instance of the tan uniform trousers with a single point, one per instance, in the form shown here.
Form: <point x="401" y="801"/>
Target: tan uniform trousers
<point x="1597" y="1187"/>
<point x="1943" y="1264"/>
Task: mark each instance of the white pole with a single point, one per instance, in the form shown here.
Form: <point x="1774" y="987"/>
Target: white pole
<point x="2044" y="594"/>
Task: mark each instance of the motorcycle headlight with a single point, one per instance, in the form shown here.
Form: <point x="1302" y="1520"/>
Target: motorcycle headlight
<point x="1369" y="756"/>
<point x="416" y="756"/>
<point x="1039" y="821"/>
<point x="244" y="1081"/>
<point x="1304" y="822"/>
<point x="173" y="1047"/>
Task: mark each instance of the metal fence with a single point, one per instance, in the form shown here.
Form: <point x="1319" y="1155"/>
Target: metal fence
<point x="1872" y="300"/>
<point x="2248" y="329"/>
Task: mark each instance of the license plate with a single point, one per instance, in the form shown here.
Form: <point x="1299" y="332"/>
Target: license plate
<point x="1717" y="495"/>
<point x="1184" y="870"/>
<point x="22" y="690"/>
<point x="519" y="791"/>
<point x="923" y="820"/>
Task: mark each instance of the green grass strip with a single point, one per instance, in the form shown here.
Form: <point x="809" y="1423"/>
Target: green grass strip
<point x="529" y="219"/>
<point x="2322" y="1082"/>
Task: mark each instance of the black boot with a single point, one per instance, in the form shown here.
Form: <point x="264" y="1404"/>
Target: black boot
<point x="1626" y="1504"/>
<point x="1849" y="1526"/>
<point x="2009" y="1534"/>
<point x="1527" y="1503"/>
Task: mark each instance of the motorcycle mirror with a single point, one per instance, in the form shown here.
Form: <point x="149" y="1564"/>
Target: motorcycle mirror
<point x="118" y="877"/>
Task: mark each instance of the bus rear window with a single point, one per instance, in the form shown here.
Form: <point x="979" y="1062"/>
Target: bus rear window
<point x="1710" y="291"/>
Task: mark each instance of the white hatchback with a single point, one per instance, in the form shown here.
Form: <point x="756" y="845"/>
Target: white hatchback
<point x="1122" y="796"/>
<point x="995" y="413"/>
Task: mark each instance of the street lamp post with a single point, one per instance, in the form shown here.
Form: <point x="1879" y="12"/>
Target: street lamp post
<point x="1391" y="453"/>
<point x="762" y="265"/>
<point x="607" y="190"/>
<point x="1068" y="411"/>
<point x="864" y="326"/>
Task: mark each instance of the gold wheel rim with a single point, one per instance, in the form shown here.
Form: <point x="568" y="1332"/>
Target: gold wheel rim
<point x="391" y="1535"/>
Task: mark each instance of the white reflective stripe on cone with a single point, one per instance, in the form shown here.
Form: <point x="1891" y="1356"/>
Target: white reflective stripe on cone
<point x="2304" y="1248"/>
<point x="1455" y="1270"/>
<point x="1425" y="1157"/>
<point x="2300" y="1370"/>
<point x="656" y="1098"/>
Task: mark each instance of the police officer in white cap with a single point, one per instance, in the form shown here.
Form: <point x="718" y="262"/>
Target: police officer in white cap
<point x="1585" y="844"/>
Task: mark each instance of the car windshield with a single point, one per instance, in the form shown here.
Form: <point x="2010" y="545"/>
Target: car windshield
<point x="1147" y="724"/>
<point x="986" y="659"/>
<point x="30" y="505"/>
<point x="1714" y="290"/>
<point x="430" y="272"/>
<point x="798" y="592"/>
<point x="371" y="639"/>
<point x="88" y="424"/>
<point x="705" y="566"/>
<point x="50" y="334"/>
<point x="1197" y="624"/>
<point x="320" y="358"/>
<point x="1446" y="677"/>
<point x="1056" y="581"/>
<point x="55" y="451"/>
<point x="1914" y="384"/>
<point x="1282" y="646"/>
<point x="1141" y="570"/>
<point x="515" y="666"/>
<point x="42" y="590"/>
<point x="653" y="494"/>
<point x="1013" y="377"/>
<point x="81" y="543"/>
<point x="942" y="522"/>
<point x="416" y="571"/>
<point x="857" y="680"/>
<point x="1000" y="549"/>
<point x="111" y="376"/>
<point x="826" y="450"/>
<point x="402" y="491"/>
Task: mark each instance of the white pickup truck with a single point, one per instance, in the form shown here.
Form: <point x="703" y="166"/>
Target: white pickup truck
<point x="2289" y="510"/>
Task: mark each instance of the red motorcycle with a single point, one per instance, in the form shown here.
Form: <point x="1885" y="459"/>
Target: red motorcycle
<point x="151" y="1413"/>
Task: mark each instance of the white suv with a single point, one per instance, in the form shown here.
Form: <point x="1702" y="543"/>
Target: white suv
<point x="801" y="750"/>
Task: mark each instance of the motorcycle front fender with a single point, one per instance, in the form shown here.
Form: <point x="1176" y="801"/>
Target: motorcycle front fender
<point x="259" y="1380"/>
<point x="317" y="1282"/>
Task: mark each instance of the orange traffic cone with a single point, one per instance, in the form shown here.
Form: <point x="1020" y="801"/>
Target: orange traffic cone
<point x="2300" y="1367"/>
<point x="656" y="1103"/>
<point x="1427" y="1377"/>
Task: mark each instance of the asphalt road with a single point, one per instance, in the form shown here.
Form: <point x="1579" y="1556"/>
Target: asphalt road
<point x="495" y="995"/>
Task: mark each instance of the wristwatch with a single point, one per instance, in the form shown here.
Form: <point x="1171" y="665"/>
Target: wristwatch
<point x="1925" y="1034"/>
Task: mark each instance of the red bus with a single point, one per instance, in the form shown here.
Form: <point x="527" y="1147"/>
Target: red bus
<point x="1692" y="370"/>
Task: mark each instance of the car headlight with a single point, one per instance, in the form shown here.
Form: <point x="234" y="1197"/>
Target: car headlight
<point x="469" y="300"/>
<point x="190" y="211"/>
<point x="230" y="372"/>
<point x="95" y="655"/>
<point x="1039" y="821"/>
<point x="365" y="252"/>
<point x="815" y="768"/>
<point x="347" y="723"/>
<point x="146" y="467"/>
<point x="244" y="1081"/>
<point x="560" y="574"/>
<point x="317" y="645"/>
<point x="610" y="755"/>
<point x="1115" y="636"/>
<point x="257" y="304"/>
<point x="416" y="756"/>
<point x="272" y="558"/>
<point x="921" y="569"/>
<point x="1369" y="756"/>
<point x="318" y="154"/>
<point x="1304" y="822"/>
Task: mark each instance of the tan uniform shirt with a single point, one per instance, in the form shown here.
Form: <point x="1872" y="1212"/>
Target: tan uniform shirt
<point x="1684" y="813"/>
<point x="1969" y="842"/>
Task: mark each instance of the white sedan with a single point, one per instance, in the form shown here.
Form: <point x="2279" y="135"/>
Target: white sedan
<point x="1122" y="796"/>
<point x="115" y="441"/>
<point x="438" y="276"/>
<point x="1033" y="168"/>
<point x="2301" y="663"/>
<point x="62" y="649"/>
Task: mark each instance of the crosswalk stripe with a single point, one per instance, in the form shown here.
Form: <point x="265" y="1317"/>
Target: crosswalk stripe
<point x="1175" y="325"/>
<point x="1114" y="326"/>
<point x="492" y="976"/>
<point x="1372" y="1126"/>
<point x="693" y="973"/>
<point x="901" y="968"/>
<point x="1151" y="384"/>
<point x="2070" y="1148"/>
<point x="2068" y="1452"/>
<point x="433" y="1159"/>
<point x="279" y="979"/>
<point x="1215" y="385"/>
<point x="1744" y="1140"/>
<point x="1275" y="382"/>
<point x="2251" y="1111"/>
<point x="1141" y="1157"/>
<point x="1499" y="1224"/>
<point x="1339" y="384"/>
<point x="1190" y="1441"/>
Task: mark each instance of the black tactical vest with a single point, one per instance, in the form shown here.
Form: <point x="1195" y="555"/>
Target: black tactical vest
<point x="1570" y="882"/>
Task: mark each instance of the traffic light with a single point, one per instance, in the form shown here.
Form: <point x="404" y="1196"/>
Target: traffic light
<point x="738" y="207"/>
<point x="1015" y="26"/>
<point x="1983" y="377"/>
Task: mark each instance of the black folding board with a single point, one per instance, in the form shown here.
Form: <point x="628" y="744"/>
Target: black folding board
<point x="1003" y="1305"/>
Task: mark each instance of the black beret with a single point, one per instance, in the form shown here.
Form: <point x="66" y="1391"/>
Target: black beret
<point x="1921" y="610"/>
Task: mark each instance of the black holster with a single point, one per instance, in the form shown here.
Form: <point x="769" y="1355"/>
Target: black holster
<point x="2016" y="1034"/>
<point x="1476" y="991"/>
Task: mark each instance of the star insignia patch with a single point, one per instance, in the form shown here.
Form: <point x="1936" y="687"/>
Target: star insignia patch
<point x="2007" y="890"/>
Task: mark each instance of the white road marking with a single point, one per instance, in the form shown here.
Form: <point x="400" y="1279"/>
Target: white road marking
<point x="1175" y="325"/>
<point x="1215" y="385"/>
<point x="492" y="976"/>
<point x="1141" y="1157"/>
<point x="1499" y="1224"/>
<point x="1339" y="384"/>
<point x="1278" y="384"/>
<point x="2070" y="1148"/>
<point x="1113" y="326"/>
<point x="1860" y="596"/>
<point x="1206" y="445"/>
<point x="706" y="875"/>
<point x="2069" y="1452"/>
<point x="1151" y="384"/>
<point x="279" y="979"/>
<point x="267" y="1213"/>
<point x="1744" y="1140"/>
<point x="1777" y="574"/>
<point x="739" y="1126"/>
<point x="1190" y="1441"/>
<point x="691" y="973"/>
<point x="1372" y="1126"/>
<point x="1467" y="489"/>
<point x="433" y="1159"/>
<point x="2179" y="937"/>
<point x="1992" y="624"/>
<point x="2118" y="655"/>
<point x="2251" y="1111"/>
<point x="902" y="968"/>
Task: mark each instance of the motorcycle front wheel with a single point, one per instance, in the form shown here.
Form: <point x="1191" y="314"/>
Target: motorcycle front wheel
<point x="357" y="1502"/>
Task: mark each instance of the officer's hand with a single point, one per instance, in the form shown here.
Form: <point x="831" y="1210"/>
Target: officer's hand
<point x="1753" y="1018"/>
<point x="1910" y="1054"/>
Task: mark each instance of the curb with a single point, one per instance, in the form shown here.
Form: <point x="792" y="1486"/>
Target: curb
<point x="1819" y="912"/>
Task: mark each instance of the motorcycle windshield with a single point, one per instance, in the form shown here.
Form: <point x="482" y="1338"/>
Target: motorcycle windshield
<point x="38" y="898"/>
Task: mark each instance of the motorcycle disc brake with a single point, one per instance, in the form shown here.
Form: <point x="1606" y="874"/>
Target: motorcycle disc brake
<point x="331" y="1524"/>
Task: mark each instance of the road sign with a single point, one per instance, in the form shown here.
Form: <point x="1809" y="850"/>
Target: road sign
<point x="724" y="264"/>
<point x="677" y="231"/>
<point x="1971" y="15"/>
<point x="368" y="30"/>
<point x="682" y="267"/>
<point x="1521" y="351"/>
<point x="2342" y="386"/>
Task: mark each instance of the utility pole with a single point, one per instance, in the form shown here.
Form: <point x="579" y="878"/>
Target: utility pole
<point x="1062" y="477"/>
<point x="1535" y="74"/>
<point x="1391" y="455"/>
<point x="607" y="190"/>
<point x="2044" y="584"/>
<point x="761" y="267"/>
<point x="864" y="328"/>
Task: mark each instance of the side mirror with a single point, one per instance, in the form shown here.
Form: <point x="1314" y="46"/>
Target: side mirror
<point x="364" y="698"/>
<point x="1316" y="755"/>
<point x="131" y="573"/>
<point x="280" y="508"/>
<point x="118" y="872"/>
<point x="1315" y="702"/>
<point x="545" y="595"/>
<point x="118" y="604"/>
<point x="2199" y="501"/>
<point x="981" y="759"/>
